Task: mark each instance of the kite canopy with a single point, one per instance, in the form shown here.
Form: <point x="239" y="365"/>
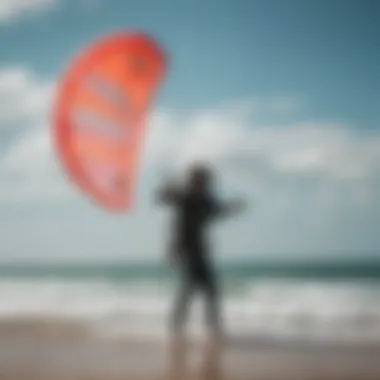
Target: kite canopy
<point x="99" y="118"/>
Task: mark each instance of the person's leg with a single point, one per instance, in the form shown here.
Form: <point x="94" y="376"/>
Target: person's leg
<point x="208" y="283"/>
<point x="182" y="301"/>
<point x="212" y="294"/>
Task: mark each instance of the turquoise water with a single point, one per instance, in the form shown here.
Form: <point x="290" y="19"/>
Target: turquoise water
<point x="233" y="270"/>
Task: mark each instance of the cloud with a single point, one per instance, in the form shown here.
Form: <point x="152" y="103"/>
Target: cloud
<point x="25" y="99"/>
<point x="11" y="10"/>
<point x="256" y="157"/>
<point x="28" y="169"/>
<point x="230" y="138"/>
<point x="312" y="186"/>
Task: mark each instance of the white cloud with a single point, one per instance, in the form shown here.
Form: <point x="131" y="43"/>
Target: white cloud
<point x="313" y="185"/>
<point x="256" y="156"/>
<point x="24" y="99"/>
<point x="28" y="169"/>
<point x="328" y="152"/>
<point x="11" y="10"/>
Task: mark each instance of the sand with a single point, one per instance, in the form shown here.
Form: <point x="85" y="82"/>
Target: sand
<point x="55" y="350"/>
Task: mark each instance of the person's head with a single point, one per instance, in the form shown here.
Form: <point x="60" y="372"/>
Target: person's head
<point x="199" y="178"/>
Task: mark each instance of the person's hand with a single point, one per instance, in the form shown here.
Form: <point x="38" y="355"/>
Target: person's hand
<point x="238" y="205"/>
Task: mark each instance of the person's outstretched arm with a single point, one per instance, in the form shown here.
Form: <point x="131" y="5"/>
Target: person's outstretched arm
<point x="231" y="208"/>
<point x="168" y="194"/>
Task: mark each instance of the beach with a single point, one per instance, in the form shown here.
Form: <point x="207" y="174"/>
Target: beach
<point x="59" y="350"/>
<point x="66" y="322"/>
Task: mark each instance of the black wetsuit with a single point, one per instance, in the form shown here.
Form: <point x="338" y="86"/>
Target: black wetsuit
<point x="193" y="214"/>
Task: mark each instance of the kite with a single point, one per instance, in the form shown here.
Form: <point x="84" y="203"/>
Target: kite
<point x="100" y="115"/>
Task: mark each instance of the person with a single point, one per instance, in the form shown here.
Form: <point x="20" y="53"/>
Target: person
<point x="196" y="208"/>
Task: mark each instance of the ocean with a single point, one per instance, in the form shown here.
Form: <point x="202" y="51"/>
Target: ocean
<point x="313" y="302"/>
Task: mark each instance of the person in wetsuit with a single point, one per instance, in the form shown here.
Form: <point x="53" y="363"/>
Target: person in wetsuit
<point x="196" y="207"/>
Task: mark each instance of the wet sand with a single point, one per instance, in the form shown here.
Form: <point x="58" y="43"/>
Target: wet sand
<point x="55" y="350"/>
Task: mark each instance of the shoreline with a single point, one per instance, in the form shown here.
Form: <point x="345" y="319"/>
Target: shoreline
<point x="55" y="350"/>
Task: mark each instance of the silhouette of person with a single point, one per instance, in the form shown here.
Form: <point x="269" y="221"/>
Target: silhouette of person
<point x="195" y="208"/>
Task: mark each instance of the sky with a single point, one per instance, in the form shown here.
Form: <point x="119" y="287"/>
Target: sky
<point x="282" y="97"/>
